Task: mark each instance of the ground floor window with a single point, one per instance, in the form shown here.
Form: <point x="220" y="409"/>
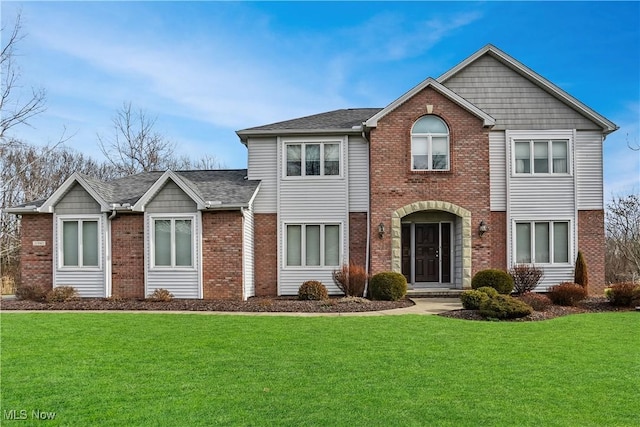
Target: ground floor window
<point x="312" y="245"/>
<point x="542" y="242"/>
<point x="80" y="243"/>
<point x="172" y="242"/>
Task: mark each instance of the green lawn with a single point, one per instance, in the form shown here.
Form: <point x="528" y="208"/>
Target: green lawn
<point x="186" y="370"/>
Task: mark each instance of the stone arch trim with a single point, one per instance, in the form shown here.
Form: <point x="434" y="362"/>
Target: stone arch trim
<point x="432" y="205"/>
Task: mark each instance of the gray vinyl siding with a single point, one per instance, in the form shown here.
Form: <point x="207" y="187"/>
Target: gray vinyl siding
<point x="263" y="166"/>
<point x="312" y="200"/>
<point x="588" y="170"/>
<point x="498" y="170"/>
<point x="77" y="201"/>
<point x="514" y="101"/>
<point x="249" y="288"/>
<point x="89" y="282"/>
<point x="172" y="199"/>
<point x="181" y="282"/>
<point x="358" y="174"/>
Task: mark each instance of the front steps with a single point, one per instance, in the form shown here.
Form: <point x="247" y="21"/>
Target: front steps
<point x="434" y="293"/>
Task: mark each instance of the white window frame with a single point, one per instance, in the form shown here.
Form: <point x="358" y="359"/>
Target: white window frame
<point x="540" y="138"/>
<point x="61" y="219"/>
<point x="152" y="243"/>
<point x="303" y="143"/>
<point x="303" y="245"/>
<point x="551" y="238"/>
<point x="430" y="136"/>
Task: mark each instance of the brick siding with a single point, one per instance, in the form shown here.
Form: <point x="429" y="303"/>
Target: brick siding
<point x="394" y="185"/>
<point x="36" y="262"/>
<point x="222" y="255"/>
<point x="127" y="241"/>
<point x="358" y="238"/>
<point x="266" y="254"/>
<point x="591" y="243"/>
<point x="498" y="235"/>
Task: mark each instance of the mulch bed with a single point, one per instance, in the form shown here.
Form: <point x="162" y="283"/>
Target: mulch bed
<point x="278" y="305"/>
<point x="589" y="305"/>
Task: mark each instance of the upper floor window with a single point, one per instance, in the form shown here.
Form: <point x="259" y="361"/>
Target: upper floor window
<point x="80" y="243"/>
<point x="313" y="159"/>
<point x="429" y="144"/>
<point x="541" y="156"/>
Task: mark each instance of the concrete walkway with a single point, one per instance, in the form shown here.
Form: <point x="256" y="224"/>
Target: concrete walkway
<point x="422" y="306"/>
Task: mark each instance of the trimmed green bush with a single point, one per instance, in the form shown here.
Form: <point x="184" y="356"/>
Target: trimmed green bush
<point x="387" y="286"/>
<point x="493" y="278"/>
<point x="581" y="274"/>
<point x="622" y="294"/>
<point x="62" y="294"/>
<point x="504" y="307"/>
<point x="312" y="290"/>
<point x="489" y="291"/>
<point x="567" y="293"/>
<point x="538" y="302"/>
<point x="472" y="299"/>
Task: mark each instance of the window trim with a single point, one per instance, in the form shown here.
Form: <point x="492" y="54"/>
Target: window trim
<point x="312" y="141"/>
<point x="429" y="137"/>
<point x="531" y="139"/>
<point x="303" y="245"/>
<point x="61" y="219"/>
<point x="152" y="237"/>
<point x="551" y="239"/>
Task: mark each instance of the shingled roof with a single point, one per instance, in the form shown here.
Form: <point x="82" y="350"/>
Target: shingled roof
<point x="226" y="187"/>
<point x="343" y="120"/>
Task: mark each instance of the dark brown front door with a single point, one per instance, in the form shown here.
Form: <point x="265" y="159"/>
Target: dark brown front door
<point x="427" y="244"/>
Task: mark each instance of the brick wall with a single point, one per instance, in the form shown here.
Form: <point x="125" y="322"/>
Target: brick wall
<point x="266" y="254"/>
<point x="127" y="242"/>
<point x="498" y="235"/>
<point x="591" y="243"/>
<point x="394" y="185"/>
<point x="222" y="255"/>
<point x="36" y="262"/>
<point x="358" y="238"/>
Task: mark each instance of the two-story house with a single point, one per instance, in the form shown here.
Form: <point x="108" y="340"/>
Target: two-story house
<point x="487" y="166"/>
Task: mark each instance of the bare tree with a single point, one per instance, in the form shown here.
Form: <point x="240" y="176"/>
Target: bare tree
<point x="15" y="108"/>
<point x="623" y="238"/>
<point x="135" y="146"/>
<point x="206" y="162"/>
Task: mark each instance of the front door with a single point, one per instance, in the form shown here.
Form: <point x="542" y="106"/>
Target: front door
<point x="426" y="252"/>
<point x="427" y="246"/>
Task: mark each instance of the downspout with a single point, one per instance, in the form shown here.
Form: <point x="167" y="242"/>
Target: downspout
<point x="367" y="247"/>
<point x="244" y="278"/>
<point x="109" y="261"/>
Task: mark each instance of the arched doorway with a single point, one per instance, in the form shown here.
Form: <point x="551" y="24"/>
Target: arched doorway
<point x="431" y="244"/>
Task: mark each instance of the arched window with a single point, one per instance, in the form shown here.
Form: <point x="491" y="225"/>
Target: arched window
<point x="429" y="144"/>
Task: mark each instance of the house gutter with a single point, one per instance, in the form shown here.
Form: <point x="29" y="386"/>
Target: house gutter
<point x="368" y="245"/>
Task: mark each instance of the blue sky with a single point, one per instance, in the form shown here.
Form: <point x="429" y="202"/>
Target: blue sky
<point x="206" y="69"/>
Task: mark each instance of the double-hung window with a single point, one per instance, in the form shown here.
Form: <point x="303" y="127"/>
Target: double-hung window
<point x="313" y="245"/>
<point x="541" y="156"/>
<point x="80" y="243"/>
<point x="429" y="144"/>
<point x="312" y="159"/>
<point x="542" y="242"/>
<point x="172" y="242"/>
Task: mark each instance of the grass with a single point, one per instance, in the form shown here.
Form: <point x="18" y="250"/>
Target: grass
<point x="153" y="369"/>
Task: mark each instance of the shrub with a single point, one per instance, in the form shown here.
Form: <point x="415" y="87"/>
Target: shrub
<point x="312" y="290"/>
<point x="160" y="295"/>
<point x="31" y="292"/>
<point x="538" y="302"/>
<point x="567" y="293"/>
<point x="497" y="279"/>
<point x="489" y="291"/>
<point x="356" y="300"/>
<point x="581" y="275"/>
<point x="387" y="286"/>
<point x="62" y="294"/>
<point x="622" y="294"/>
<point x="472" y="299"/>
<point x="351" y="279"/>
<point x="504" y="307"/>
<point x="635" y="298"/>
<point x="525" y="277"/>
